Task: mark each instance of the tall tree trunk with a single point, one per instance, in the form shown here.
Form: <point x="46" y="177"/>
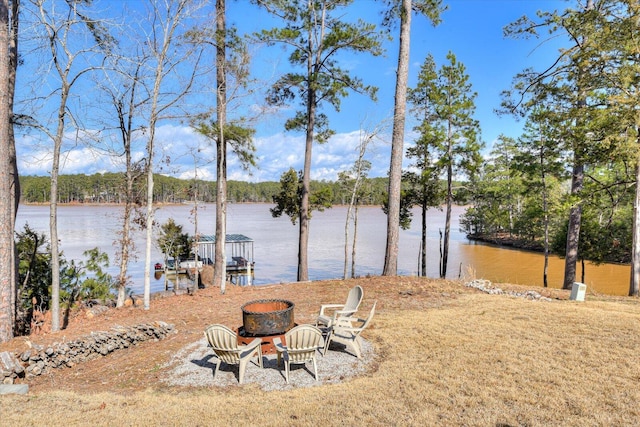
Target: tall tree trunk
<point x="397" y="139"/>
<point x="125" y="244"/>
<point x="53" y="211"/>
<point x="573" y="229"/>
<point x="577" y="182"/>
<point x="355" y="239"/>
<point x="346" y="238"/>
<point x="155" y="111"/>
<point x="149" y="219"/>
<point x="545" y="210"/>
<point x="305" y="208"/>
<point x="126" y="128"/>
<point x="447" y="225"/>
<point x="220" y="260"/>
<point x="423" y="240"/>
<point x="125" y="239"/>
<point x="634" y="283"/>
<point x="196" y="232"/>
<point x="7" y="287"/>
<point x="15" y="181"/>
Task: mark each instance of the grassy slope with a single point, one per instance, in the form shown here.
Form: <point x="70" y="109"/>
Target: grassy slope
<point x="446" y="355"/>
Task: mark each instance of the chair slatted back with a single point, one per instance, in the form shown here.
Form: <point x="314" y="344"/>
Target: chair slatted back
<point x="354" y="298"/>
<point x="224" y="343"/>
<point x="302" y="343"/>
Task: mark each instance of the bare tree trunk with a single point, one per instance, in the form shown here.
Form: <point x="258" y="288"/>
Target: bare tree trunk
<point x="220" y="262"/>
<point x="577" y="181"/>
<point x="395" y="169"/>
<point x="573" y="229"/>
<point x="174" y="18"/>
<point x="635" y="249"/>
<point x="423" y="240"/>
<point x="447" y="226"/>
<point x="15" y="181"/>
<point x="346" y="239"/>
<point x="53" y="225"/>
<point x="126" y="243"/>
<point x="196" y="230"/>
<point x="149" y="169"/>
<point x="545" y="210"/>
<point x="58" y="28"/>
<point x="63" y="73"/>
<point x="305" y="208"/>
<point x="355" y="239"/>
<point x="7" y="287"/>
<point x="359" y="170"/>
<point x="53" y="207"/>
<point x="149" y="220"/>
<point x="303" y="241"/>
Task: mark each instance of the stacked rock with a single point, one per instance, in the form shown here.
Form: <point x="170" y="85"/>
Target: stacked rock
<point x="39" y="359"/>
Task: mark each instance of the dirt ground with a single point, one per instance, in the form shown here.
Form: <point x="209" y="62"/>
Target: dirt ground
<point x="143" y="366"/>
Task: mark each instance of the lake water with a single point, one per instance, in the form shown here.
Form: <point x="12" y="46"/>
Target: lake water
<point x="276" y="245"/>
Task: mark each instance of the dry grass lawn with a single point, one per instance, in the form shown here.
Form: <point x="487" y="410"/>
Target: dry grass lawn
<point x="445" y="355"/>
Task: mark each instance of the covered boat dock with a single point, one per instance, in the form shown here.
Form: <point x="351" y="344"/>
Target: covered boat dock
<point x="239" y="252"/>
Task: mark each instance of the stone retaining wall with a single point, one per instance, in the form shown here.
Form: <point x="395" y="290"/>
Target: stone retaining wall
<point x="39" y="359"/>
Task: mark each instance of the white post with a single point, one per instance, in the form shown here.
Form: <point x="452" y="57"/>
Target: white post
<point x="249" y="272"/>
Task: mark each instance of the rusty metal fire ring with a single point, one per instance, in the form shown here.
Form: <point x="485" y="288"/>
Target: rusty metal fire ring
<point x="267" y="317"/>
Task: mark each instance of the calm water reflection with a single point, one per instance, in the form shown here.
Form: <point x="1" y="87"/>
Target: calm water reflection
<point x="84" y="227"/>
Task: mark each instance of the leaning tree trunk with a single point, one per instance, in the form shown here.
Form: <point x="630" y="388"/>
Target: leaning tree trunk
<point x="395" y="169"/>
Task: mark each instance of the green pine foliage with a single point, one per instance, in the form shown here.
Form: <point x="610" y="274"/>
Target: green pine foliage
<point x="108" y="188"/>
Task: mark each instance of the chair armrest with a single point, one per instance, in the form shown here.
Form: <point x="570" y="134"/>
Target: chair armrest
<point x="255" y="342"/>
<point x="343" y="312"/>
<point x="351" y="328"/>
<point x="323" y="307"/>
<point x="251" y="347"/>
<point x="277" y="343"/>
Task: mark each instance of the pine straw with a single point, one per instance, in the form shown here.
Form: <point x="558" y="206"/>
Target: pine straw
<point x="443" y="355"/>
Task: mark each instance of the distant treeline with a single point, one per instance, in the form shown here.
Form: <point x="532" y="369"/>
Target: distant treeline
<point x="109" y="188"/>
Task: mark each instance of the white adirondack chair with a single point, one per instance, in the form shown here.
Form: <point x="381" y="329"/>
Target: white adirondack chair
<point x="225" y="345"/>
<point x="330" y="313"/>
<point x="302" y="344"/>
<point x="349" y="335"/>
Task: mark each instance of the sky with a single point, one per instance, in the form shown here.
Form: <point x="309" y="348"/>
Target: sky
<point x="471" y="29"/>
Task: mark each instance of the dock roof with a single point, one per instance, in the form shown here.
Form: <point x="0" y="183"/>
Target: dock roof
<point x="230" y="238"/>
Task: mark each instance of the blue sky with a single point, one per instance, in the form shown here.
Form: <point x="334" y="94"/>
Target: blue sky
<point x="471" y="29"/>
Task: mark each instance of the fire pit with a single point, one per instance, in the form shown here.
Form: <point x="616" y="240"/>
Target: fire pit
<point x="266" y="319"/>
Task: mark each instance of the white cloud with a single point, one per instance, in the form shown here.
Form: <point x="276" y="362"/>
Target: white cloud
<point x="180" y="150"/>
<point x="203" y="174"/>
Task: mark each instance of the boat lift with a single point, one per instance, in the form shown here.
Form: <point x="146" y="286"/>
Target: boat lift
<point x="239" y="252"/>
